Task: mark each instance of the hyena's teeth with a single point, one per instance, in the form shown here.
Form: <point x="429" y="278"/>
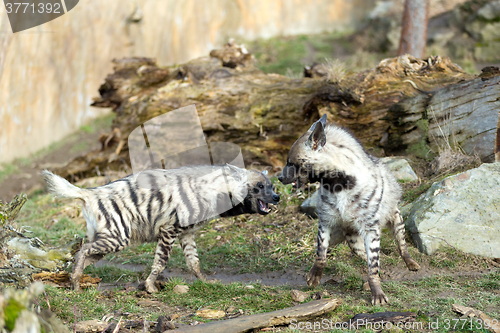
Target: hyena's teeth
<point x="263" y="207"/>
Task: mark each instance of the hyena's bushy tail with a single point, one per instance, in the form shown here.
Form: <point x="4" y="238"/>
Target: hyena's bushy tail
<point x="61" y="187"/>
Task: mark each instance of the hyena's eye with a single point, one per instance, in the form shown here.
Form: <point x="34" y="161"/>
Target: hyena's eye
<point x="260" y="185"/>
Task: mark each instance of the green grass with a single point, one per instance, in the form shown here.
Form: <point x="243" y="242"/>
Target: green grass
<point x="490" y="281"/>
<point x="112" y="274"/>
<point x="99" y="123"/>
<point x="282" y="240"/>
<point x="79" y="147"/>
<point x="288" y="55"/>
<point x="89" y="304"/>
<point x="219" y="296"/>
<point x="287" y="243"/>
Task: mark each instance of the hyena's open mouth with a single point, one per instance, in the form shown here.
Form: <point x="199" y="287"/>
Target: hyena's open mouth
<point x="263" y="207"/>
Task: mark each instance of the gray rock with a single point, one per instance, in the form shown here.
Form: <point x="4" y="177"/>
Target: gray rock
<point x="490" y="32"/>
<point x="400" y="168"/>
<point x="462" y="211"/>
<point x="490" y="11"/>
<point x="441" y="37"/>
<point x="181" y="289"/>
<point x="487" y="52"/>
<point x="382" y="9"/>
<point x="299" y="296"/>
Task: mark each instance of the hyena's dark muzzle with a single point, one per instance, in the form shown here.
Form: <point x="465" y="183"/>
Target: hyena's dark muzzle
<point x="293" y="174"/>
<point x="263" y="198"/>
<point x="288" y="175"/>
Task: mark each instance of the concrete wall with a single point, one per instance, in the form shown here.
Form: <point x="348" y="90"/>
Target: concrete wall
<point x="49" y="74"/>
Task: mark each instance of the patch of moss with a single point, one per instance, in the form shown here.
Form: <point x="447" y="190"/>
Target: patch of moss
<point x="11" y="312"/>
<point x="421" y="149"/>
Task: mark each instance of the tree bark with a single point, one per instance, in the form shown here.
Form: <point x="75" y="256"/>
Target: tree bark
<point x="414" y="28"/>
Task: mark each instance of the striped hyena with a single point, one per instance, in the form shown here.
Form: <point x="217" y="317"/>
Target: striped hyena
<point x="161" y="205"/>
<point x="359" y="196"/>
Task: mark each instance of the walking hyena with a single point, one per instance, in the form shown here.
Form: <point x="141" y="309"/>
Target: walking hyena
<point x="358" y="197"/>
<point x="161" y="205"/>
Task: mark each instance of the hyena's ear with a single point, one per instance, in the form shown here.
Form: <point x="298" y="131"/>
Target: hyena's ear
<point x="317" y="139"/>
<point x="238" y="172"/>
<point x="264" y="172"/>
<point x="321" y="121"/>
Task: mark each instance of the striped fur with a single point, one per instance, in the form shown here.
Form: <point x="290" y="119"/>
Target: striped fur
<point x="162" y="205"/>
<point x="359" y="197"/>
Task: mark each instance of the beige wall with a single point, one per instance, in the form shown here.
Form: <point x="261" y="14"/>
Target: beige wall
<point x="50" y="73"/>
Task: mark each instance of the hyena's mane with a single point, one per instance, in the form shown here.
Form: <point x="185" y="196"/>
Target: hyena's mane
<point x="343" y="152"/>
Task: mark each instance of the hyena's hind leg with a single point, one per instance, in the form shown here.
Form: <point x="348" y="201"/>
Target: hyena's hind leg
<point x="188" y="245"/>
<point x="398" y="231"/>
<point x="166" y="239"/>
<point x="91" y="253"/>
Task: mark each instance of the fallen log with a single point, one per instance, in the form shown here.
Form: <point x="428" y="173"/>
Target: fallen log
<point x="463" y="114"/>
<point x="262" y="113"/>
<point x="286" y="316"/>
<point x="497" y="141"/>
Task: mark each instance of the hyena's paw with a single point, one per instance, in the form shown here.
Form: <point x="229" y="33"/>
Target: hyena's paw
<point x="150" y="287"/>
<point x="200" y="276"/>
<point x="313" y="278"/>
<point x="378" y="297"/>
<point x="412" y="265"/>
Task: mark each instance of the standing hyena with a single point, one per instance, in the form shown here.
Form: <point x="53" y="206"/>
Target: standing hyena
<point x="161" y="205"/>
<point x="359" y="197"/>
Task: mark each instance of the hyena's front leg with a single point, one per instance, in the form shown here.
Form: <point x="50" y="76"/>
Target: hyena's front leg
<point x="314" y="276"/>
<point x="372" y="247"/>
<point x="92" y="252"/>
<point x="329" y="234"/>
<point x="191" y="254"/>
<point x="398" y="230"/>
<point x="166" y="239"/>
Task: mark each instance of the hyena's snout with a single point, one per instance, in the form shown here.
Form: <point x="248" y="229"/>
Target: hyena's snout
<point x="270" y="196"/>
<point x="287" y="175"/>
